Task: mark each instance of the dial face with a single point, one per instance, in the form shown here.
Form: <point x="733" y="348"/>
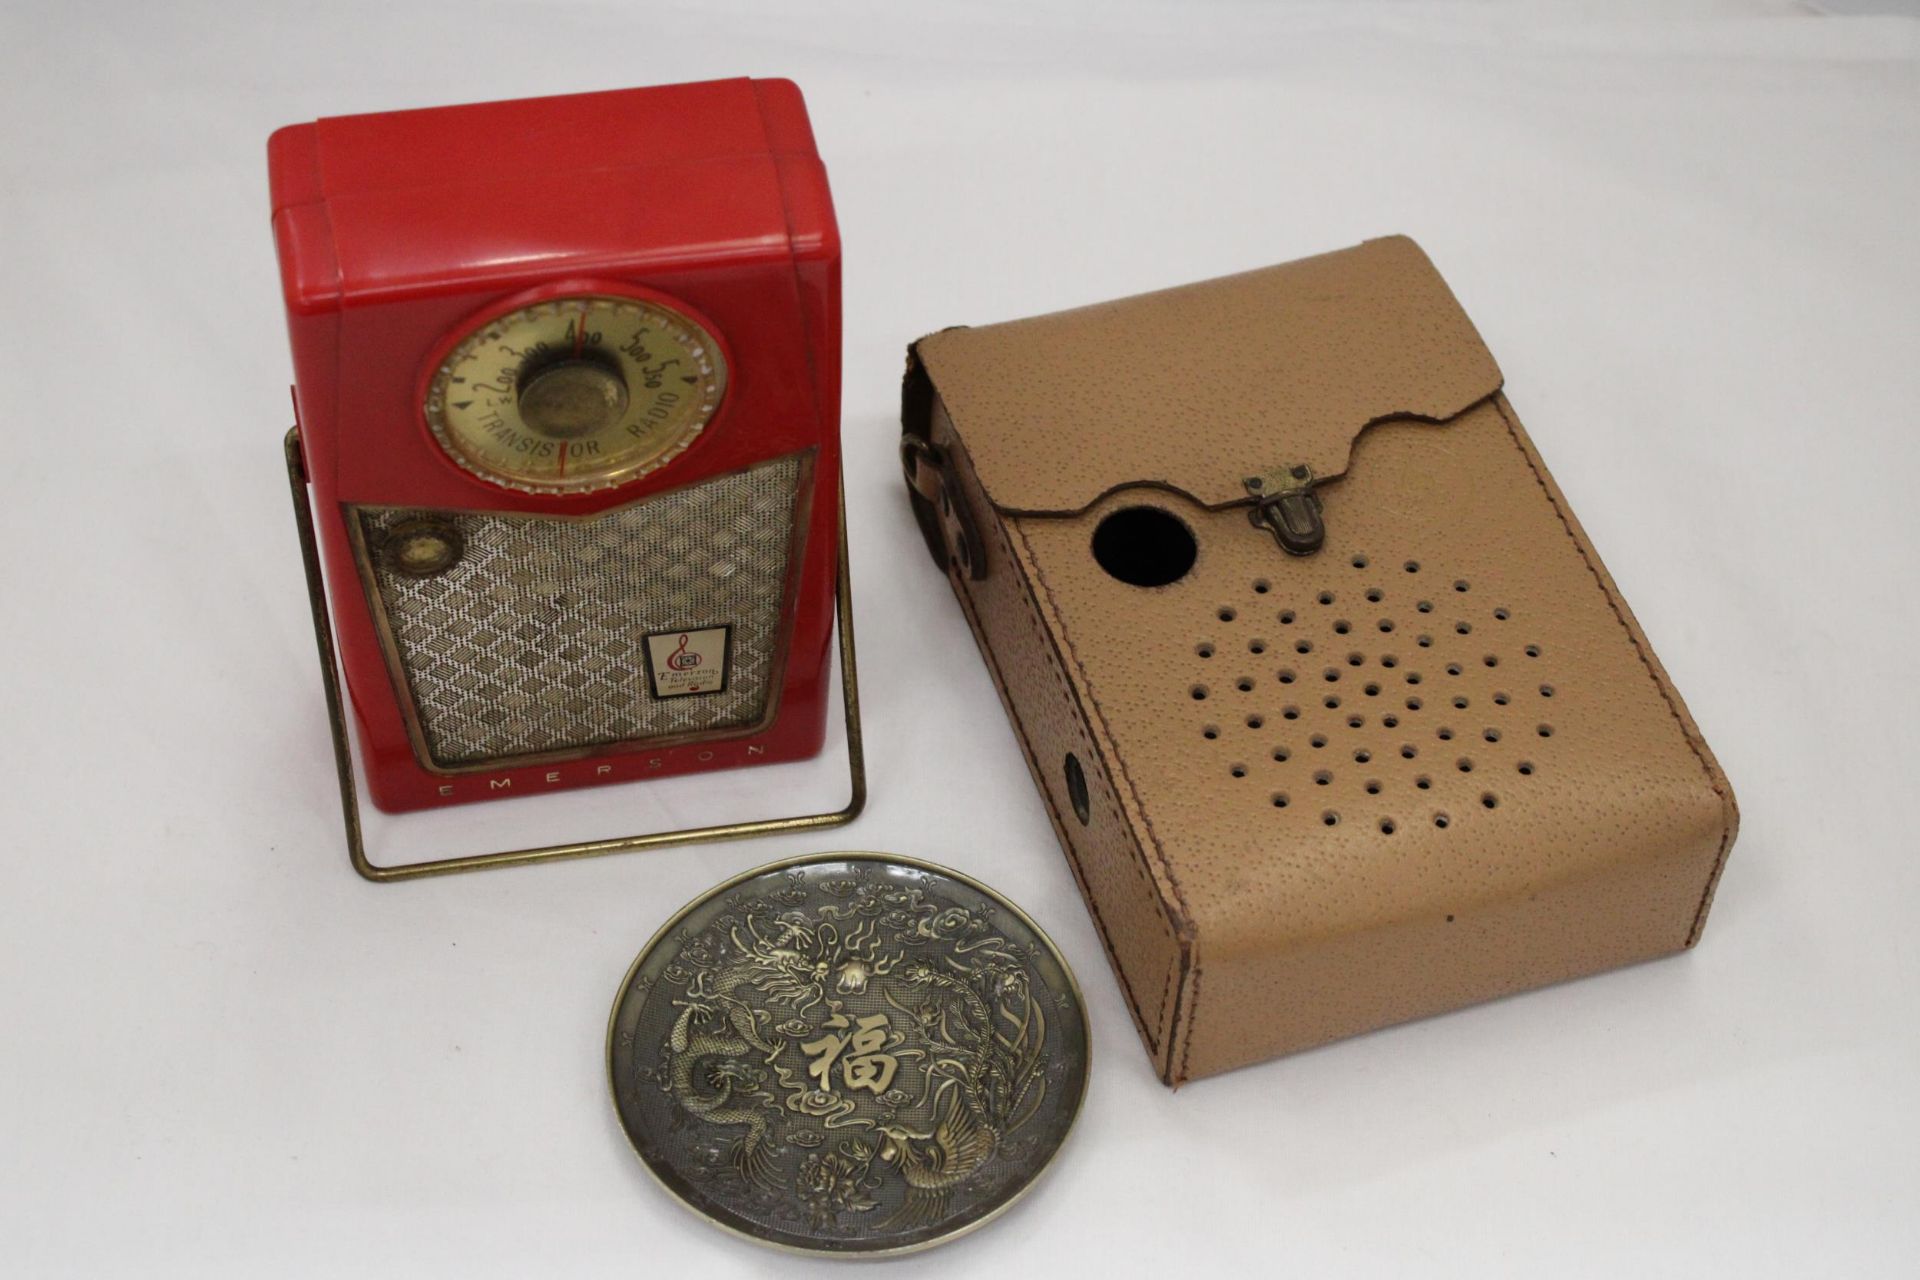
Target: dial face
<point x="575" y="394"/>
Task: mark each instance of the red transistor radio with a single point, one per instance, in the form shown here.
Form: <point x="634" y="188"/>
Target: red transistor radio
<point x="567" y="394"/>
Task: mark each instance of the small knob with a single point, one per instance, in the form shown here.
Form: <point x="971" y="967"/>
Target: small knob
<point x="422" y="547"/>
<point x="573" y="398"/>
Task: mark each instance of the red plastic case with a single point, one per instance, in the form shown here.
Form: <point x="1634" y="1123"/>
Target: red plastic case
<point x="397" y="231"/>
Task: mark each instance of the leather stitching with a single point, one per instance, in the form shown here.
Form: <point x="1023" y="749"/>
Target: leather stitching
<point x="1180" y="1019"/>
<point x="1613" y="603"/>
<point x="1166" y="868"/>
<point x="1193" y="1015"/>
<point x="1059" y="822"/>
<point x="1108" y="799"/>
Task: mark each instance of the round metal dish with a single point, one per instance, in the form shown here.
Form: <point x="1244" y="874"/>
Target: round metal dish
<point x="848" y="1053"/>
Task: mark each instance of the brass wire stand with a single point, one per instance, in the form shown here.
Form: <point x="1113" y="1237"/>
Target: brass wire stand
<point x="343" y="755"/>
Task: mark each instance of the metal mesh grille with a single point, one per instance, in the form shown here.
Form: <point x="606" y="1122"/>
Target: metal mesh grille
<point x="534" y="640"/>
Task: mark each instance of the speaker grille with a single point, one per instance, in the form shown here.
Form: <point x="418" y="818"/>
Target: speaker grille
<point x="533" y="642"/>
<point x="1394" y="695"/>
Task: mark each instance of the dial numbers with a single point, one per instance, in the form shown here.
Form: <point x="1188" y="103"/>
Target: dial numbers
<point x="576" y="394"/>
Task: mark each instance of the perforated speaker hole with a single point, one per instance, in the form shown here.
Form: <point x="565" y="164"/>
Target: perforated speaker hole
<point x="1264" y="737"/>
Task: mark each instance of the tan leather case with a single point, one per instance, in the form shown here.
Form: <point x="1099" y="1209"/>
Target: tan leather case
<point x="1433" y="762"/>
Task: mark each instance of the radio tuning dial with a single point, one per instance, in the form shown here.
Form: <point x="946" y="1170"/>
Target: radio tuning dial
<point x="575" y="394"/>
<point x="573" y="398"/>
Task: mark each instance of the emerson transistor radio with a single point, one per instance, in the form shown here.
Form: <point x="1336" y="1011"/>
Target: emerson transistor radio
<point x="566" y="461"/>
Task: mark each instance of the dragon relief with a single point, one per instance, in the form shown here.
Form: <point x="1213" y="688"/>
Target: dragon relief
<point x="858" y="1060"/>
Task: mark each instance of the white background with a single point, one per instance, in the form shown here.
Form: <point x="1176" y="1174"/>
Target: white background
<point x="1686" y="231"/>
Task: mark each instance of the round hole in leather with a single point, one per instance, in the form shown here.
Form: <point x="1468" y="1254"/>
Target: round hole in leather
<point x="1147" y="547"/>
<point x="1077" y="786"/>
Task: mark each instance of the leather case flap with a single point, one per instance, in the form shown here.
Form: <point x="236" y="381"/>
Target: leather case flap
<point x="1198" y="387"/>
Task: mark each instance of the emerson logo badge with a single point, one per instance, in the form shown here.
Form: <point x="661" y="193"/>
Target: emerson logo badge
<point x="680" y="663"/>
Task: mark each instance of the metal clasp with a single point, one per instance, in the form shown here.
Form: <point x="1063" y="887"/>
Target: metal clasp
<point x="926" y="474"/>
<point x="1285" y="505"/>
